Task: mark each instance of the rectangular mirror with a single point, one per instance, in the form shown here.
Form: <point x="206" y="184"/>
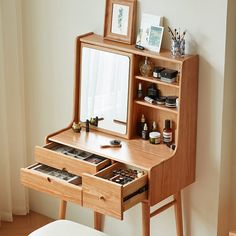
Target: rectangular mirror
<point x="104" y="86"/>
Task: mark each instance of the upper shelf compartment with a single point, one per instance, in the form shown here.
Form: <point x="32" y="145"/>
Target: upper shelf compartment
<point x="163" y="55"/>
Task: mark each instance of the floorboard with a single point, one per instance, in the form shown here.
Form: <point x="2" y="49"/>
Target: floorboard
<point x="23" y="225"/>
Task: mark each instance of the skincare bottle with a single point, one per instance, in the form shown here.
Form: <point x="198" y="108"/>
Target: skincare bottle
<point x="146" y="67"/>
<point x="87" y="126"/>
<point x="167" y="132"/>
<point x="145" y="132"/>
<point x="154" y="126"/>
<point x="141" y="125"/>
<point x="140" y="91"/>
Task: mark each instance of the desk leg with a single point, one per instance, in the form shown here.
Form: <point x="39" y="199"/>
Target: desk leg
<point x="97" y="221"/>
<point x="146" y="218"/>
<point x="178" y="214"/>
<point x="62" y="209"/>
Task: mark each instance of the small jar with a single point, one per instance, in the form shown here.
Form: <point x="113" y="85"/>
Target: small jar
<point x="154" y="137"/>
<point x="157" y="71"/>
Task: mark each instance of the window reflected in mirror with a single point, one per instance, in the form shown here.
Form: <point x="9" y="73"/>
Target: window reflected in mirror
<point x="104" y="89"/>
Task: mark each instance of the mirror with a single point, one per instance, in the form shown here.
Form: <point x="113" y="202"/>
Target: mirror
<point x="104" y="88"/>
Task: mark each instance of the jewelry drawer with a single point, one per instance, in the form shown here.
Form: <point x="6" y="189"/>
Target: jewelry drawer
<point x="70" y="159"/>
<point x="53" y="181"/>
<point x="111" y="198"/>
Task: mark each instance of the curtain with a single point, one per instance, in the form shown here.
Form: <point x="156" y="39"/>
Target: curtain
<point x="13" y="198"/>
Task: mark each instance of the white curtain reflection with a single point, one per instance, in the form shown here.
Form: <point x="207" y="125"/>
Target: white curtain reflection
<point x="104" y="88"/>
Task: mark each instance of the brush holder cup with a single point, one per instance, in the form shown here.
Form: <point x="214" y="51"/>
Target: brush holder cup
<point x="177" y="48"/>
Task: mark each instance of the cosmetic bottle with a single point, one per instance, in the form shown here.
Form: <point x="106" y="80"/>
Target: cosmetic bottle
<point x="145" y="132"/>
<point x="141" y="125"/>
<point x="140" y="91"/>
<point x="152" y="91"/>
<point x="167" y="132"/>
<point x="87" y="126"/>
<point x="145" y="67"/>
<point x="154" y="126"/>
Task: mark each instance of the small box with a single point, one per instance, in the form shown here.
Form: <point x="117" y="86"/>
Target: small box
<point x="169" y="74"/>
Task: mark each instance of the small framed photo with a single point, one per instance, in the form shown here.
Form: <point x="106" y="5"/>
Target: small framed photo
<point x="120" y="18"/>
<point x="150" y="32"/>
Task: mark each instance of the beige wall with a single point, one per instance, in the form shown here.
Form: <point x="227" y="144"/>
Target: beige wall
<point x="49" y="31"/>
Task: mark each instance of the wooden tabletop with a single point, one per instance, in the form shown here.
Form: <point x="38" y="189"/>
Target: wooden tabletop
<point x="136" y="152"/>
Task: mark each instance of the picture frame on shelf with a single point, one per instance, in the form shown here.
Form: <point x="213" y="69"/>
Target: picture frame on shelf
<point x="150" y="32"/>
<point x="120" y="18"/>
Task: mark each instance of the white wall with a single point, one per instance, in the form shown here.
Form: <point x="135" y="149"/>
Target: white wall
<point x="49" y="31"/>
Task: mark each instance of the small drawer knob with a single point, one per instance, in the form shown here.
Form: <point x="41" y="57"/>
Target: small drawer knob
<point x="101" y="198"/>
<point x="49" y="180"/>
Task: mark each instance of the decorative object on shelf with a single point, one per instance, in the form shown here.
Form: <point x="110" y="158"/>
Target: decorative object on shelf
<point x="177" y="47"/>
<point x="167" y="132"/>
<point x="145" y="67"/>
<point x="157" y="71"/>
<point x="154" y="137"/>
<point x="168" y="75"/>
<point x="76" y="127"/>
<point x="140" y="91"/>
<point x="150" y="32"/>
<point x="152" y="91"/>
<point x="120" y="18"/>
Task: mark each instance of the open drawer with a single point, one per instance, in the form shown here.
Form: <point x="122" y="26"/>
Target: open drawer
<point x="53" y="181"/>
<point x="70" y="159"/>
<point x="104" y="194"/>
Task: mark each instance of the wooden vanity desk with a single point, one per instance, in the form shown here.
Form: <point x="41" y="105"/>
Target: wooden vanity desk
<point x="165" y="172"/>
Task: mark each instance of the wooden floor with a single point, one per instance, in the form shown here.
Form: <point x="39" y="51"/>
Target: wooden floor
<point x="23" y="225"/>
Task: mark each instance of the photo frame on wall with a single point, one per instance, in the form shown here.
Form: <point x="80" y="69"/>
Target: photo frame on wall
<point x="120" y="18"/>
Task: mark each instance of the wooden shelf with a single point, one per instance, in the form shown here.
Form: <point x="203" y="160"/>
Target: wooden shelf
<point x="159" y="107"/>
<point x="157" y="81"/>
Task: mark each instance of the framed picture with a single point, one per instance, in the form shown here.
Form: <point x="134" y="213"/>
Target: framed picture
<point x="120" y="18"/>
<point x="150" y="32"/>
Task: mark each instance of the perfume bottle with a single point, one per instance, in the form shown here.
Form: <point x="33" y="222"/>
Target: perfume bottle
<point x="146" y="67"/>
<point x="140" y="91"/>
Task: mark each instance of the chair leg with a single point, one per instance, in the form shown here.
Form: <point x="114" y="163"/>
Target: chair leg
<point x="97" y="221"/>
<point x="62" y="209"/>
<point x="178" y="214"/>
<point x="146" y="218"/>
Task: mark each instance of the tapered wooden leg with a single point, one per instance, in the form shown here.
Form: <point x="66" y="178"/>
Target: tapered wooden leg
<point x="62" y="209"/>
<point x="146" y="218"/>
<point x="178" y="214"/>
<point x="97" y="221"/>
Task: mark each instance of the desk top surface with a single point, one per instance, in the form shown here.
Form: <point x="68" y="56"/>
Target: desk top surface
<point x="136" y="152"/>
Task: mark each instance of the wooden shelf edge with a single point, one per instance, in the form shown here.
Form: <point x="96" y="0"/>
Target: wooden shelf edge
<point x="159" y="107"/>
<point x="157" y="81"/>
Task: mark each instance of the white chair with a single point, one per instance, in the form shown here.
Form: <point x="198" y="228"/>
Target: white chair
<point x="66" y="228"/>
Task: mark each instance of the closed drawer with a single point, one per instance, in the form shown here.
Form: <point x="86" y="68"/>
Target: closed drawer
<point x="104" y="195"/>
<point x="70" y="159"/>
<point x="53" y="181"/>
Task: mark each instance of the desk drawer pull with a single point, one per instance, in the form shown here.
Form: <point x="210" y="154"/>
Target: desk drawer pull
<point x="49" y="180"/>
<point x="101" y="198"/>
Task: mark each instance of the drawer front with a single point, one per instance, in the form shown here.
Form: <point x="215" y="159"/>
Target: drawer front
<point x="110" y="198"/>
<point x="51" y="185"/>
<point x="60" y="161"/>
